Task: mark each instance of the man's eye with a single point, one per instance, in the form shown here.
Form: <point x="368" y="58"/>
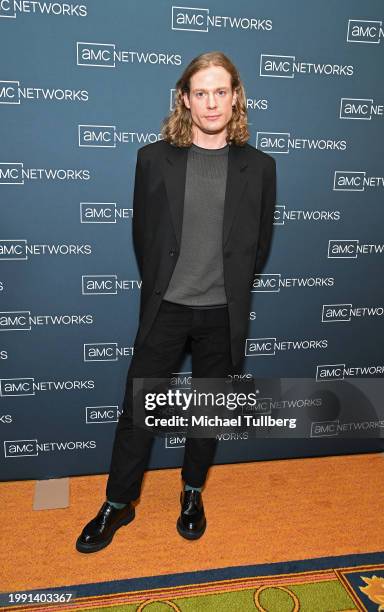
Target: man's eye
<point x="222" y="92"/>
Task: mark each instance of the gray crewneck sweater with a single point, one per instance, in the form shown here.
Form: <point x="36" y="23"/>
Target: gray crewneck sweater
<point x="198" y="278"/>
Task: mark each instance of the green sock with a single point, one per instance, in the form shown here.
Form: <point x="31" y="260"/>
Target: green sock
<point x="116" y="505"/>
<point x="187" y="487"/>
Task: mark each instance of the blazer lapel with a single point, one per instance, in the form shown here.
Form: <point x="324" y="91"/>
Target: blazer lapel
<point x="175" y="168"/>
<point x="236" y="185"/>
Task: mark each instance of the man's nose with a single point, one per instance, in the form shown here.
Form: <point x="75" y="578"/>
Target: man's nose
<point x="211" y="100"/>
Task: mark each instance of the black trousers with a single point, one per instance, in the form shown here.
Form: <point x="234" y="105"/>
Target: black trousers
<point x="208" y="332"/>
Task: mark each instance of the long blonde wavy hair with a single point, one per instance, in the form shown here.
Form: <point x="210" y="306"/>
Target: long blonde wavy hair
<point x="177" y="127"/>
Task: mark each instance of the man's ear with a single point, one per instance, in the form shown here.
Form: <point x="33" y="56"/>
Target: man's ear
<point x="234" y="98"/>
<point x="186" y="100"/>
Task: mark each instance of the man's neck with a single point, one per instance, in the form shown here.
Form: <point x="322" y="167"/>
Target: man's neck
<point x="209" y="141"/>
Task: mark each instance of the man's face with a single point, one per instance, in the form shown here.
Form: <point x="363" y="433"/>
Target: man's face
<point x="210" y="100"/>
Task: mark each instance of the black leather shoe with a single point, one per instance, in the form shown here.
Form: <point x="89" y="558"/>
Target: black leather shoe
<point x="98" y="533"/>
<point x="191" y="523"/>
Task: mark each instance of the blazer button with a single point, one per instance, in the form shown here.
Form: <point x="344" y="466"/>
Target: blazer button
<point x="172" y="252"/>
<point x="157" y="291"/>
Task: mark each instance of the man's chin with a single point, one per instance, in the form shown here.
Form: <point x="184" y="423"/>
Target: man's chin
<point x="208" y="129"/>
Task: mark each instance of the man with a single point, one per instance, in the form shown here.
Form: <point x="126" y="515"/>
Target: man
<point x="202" y="223"/>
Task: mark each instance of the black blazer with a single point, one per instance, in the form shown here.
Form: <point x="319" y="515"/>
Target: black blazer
<point x="158" y="202"/>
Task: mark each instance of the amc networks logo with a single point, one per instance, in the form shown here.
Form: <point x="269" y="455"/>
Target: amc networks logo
<point x="364" y="31"/>
<point x="190" y="19"/>
<point x="175" y="440"/>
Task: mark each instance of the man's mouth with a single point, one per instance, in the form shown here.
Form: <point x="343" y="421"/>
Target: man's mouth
<point x="212" y="117"/>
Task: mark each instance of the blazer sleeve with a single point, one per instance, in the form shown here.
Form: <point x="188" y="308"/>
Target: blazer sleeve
<point x="138" y="221"/>
<point x="268" y="202"/>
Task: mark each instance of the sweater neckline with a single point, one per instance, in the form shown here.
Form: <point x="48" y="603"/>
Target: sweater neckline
<point x="203" y="151"/>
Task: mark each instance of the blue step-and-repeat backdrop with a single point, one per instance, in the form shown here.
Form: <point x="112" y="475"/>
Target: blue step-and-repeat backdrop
<point x="82" y="86"/>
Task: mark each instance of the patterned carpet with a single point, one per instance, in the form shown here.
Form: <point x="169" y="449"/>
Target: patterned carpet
<point x="326" y="584"/>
